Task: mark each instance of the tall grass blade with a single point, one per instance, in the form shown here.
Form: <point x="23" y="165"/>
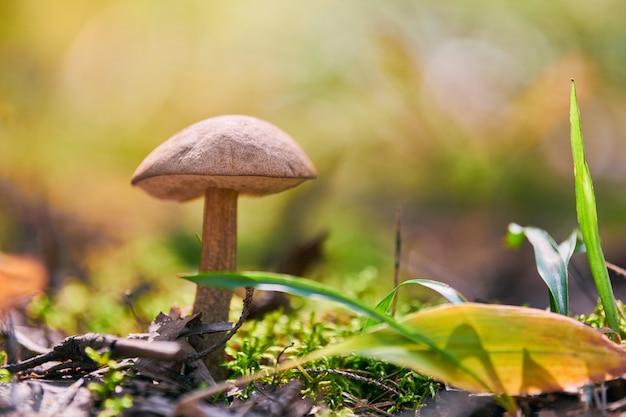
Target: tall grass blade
<point x="588" y="218"/>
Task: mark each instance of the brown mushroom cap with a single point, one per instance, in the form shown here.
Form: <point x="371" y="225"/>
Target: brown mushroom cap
<point x="241" y="153"/>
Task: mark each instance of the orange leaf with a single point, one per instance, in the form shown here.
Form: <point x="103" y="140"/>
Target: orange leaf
<point x="21" y="277"/>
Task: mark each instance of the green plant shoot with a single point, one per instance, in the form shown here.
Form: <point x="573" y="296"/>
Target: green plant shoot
<point x="112" y="405"/>
<point x="5" y="376"/>
<point x="551" y="260"/>
<point x="588" y="218"/>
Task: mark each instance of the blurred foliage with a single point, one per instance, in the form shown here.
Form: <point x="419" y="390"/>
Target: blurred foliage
<point x="456" y="111"/>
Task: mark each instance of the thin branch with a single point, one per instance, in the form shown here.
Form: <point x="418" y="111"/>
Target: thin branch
<point x="396" y="266"/>
<point x="73" y="349"/>
<point x="355" y="377"/>
<point x="247" y="304"/>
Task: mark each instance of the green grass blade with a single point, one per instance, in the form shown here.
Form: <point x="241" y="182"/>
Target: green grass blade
<point x="446" y="291"/>
<point x="311" y="289"/>
<point x="588" y="217"/>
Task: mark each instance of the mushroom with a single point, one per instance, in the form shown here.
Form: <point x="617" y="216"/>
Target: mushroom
<point x="220" y="158"/>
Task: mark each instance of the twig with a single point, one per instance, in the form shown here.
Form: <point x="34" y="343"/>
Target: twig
<point x="129" y="299"/>
<point x="360" y="406"/>
<point x="621" y="271"/>
<point x="247" y="304"/>
<point x="355" y="377"/>
<point x="73" y="349"/>
<point x="396" y="266"/>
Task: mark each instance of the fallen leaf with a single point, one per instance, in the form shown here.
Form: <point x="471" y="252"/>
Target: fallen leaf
<point x="512" y="350"/>
<point x="477" y="347"/>
<point x="21" y="277"/>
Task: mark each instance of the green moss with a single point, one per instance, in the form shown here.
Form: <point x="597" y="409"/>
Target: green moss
<point x="342" y="383"/>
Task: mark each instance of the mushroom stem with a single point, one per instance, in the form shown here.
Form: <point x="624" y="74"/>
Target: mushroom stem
<point x="219" y="232"/>
<point x="219" y="253"/>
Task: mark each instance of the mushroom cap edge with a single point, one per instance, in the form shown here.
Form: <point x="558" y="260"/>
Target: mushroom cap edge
<point x="244" y="153"/>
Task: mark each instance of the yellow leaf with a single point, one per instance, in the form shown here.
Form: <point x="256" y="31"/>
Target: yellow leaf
<point x="512" y="350"/>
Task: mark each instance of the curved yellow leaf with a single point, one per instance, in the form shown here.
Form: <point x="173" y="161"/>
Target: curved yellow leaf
<point x="514" y="350"/>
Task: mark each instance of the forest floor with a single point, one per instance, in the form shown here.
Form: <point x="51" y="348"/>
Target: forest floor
<point x="148" y="375"/>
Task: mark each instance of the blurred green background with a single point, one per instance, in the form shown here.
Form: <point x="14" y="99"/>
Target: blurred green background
<point x="455" y="111"/>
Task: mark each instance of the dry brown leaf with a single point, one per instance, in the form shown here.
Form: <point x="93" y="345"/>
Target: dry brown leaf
<point x="21" y="277"/>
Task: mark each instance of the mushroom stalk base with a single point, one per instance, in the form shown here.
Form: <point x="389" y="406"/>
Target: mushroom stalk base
<point x="219" y="253"/>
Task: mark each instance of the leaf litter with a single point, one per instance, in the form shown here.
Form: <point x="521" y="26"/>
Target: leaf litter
<point x="161" y="369"/>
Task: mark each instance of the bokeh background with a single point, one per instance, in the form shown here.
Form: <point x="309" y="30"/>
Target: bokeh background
<point x="455" y="111"/>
